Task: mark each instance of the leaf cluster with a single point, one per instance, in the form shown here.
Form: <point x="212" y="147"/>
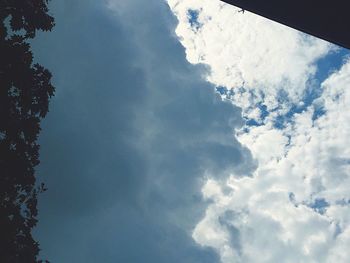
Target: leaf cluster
<point x="25" y="91"/>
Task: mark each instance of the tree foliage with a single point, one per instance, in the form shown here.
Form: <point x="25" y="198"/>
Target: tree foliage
<point x="25" y="90"/>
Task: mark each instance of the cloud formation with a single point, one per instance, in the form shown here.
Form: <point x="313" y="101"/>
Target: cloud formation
<point x="132" y="133"/>
<point x="295" y="207"/>
<point x="259" y="59"/>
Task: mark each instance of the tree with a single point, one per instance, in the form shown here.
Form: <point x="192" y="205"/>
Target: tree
<point x="25" y="91"/>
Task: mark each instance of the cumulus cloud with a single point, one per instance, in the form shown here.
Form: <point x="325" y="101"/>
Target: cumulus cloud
<point x="133" y="131"/>
<point x="259" y="59"/>
<point x="295" y="207"/>
<point x="278" y="215"/>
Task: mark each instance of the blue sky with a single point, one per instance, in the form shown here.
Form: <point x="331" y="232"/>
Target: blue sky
<point x="146" y="162"/>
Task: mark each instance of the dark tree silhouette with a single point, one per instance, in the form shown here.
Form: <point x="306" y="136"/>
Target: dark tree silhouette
<point x="25" y="90"/>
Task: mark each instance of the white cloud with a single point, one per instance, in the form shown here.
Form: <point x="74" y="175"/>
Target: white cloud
<point x="296" y="206"/>
<point x="273" y="211"/>
<point x="243" y="49"/>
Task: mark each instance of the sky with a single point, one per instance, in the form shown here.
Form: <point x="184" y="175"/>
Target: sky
<point x="186" y="131"/>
